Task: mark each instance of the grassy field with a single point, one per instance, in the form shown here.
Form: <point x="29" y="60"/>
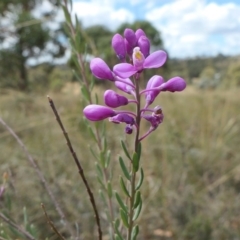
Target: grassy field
<point x="192" y="166"/>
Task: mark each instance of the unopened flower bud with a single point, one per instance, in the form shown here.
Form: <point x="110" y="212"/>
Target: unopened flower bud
<point x="128" y="129"/>
<point x="144" y="44"/>
<point x="100" y="69"/>
<point x="94" y="112"/>
<point x="139" y="33"/>
<point x="153" y="82"/>
<point x="122" y="118"/>
<point x="174" y="84"/>
<point x="119" y="47"/>
<point x="130" y="36"/>
<point x="114" y="100"/>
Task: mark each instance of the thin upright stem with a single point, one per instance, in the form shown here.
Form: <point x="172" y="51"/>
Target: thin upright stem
<point x="80" y="169"/>
<point x="133" y="177"/>
<point x="51" y="223"/>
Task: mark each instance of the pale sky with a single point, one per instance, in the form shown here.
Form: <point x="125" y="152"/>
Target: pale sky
<point x="188" y="27"/>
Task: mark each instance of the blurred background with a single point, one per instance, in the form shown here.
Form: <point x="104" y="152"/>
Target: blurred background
<point x="192" y="184"/>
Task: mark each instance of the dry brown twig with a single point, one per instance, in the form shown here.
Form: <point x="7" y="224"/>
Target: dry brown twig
<point x="51" y="223"/>
<point x="80" y="169"/>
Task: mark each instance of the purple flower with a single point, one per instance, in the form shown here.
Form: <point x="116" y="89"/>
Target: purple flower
<point x="139" y="33"/>
<point x="154" y="60"/>
<point x="114" y="100"/>
<point x="128" y="129"/>
<point x="94" y="112"/>
<point x="174" y="84"/>
<point x="124" y="86"/>
<point x="118" y="45"/>
<point x="156" y="118"/>
<point x="122" y="118"/>
<point x="153" y="82"/>
<point x="144" y="44"/>
<point x="100" y="69"/>
<point x="130" y="36"/>
<point x="129" y="49"/>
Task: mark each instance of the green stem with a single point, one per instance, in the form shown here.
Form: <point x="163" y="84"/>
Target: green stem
<point x="133" y="178"/>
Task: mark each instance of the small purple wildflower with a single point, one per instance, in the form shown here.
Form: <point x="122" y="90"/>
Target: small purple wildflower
<point x="137" y="46"/>
<point x="153" y="82"/>
<point x="119" y="47"/>
<point x="154" y="60"/>
<point x="101" y="70"/>
<point x="114" y="100"/>
<point x="96" y="112"/>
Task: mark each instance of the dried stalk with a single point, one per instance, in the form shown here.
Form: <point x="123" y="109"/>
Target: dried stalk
<point x="80" y="169"/>
<point x="51" y="223"/>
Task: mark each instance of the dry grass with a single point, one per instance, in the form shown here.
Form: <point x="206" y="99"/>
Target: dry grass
<point x="192" y="184"/>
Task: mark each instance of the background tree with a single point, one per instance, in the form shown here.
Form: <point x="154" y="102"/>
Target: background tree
<point x="23" y="37"/>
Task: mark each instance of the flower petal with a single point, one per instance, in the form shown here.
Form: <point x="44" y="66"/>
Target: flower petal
<point x="155" y="60"/>
<point x="174" y="84"/>
<point x="124" y="86"/>
<point x="118" y="45"/>
<point x="124" y="70"/>
<point x="114" y="100"/>
<point x="94" y="112"/>
<point x="129" y="34"/>
<point x="154" y="81"/>
<point x="100" y="69"/>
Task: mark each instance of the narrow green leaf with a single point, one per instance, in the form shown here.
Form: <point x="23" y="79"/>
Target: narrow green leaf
<point x="66" y="14"/>
<point x="140" y="181"/>
<point x="124" y="168"/>
<point x="124" y="217"/>
<point x="92" y="133"/>
<point x="102" y="196"/>
<point x="99" y="171"/>
<point x="102" y="159"/>
<point x="85" y="93"/>
<point x="139" y="151"/>
<point x="116" y="226"/>
<point x="135" y="232"/>
<point x="120" y="202"/>
<point x="76" y="75"/>
<point x="92" y="83"/>
<point x="125" y="150"/>
<point x="124" y="188"/>
<point x="94" y="154"/>
<point x="108" y="158"/>
<point x="116" y="223"/>
<point x="118" y="236"/>
<point x="78" y="41"/>
<point x="137" y="211"/>
<point x="135" y="162"/>
<point x="101" y="183"/>
<point x="104" y="144"/>
<point x="137" y="199"/>
<point x="109" y="189"/>
<point x="25" y="217"/>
